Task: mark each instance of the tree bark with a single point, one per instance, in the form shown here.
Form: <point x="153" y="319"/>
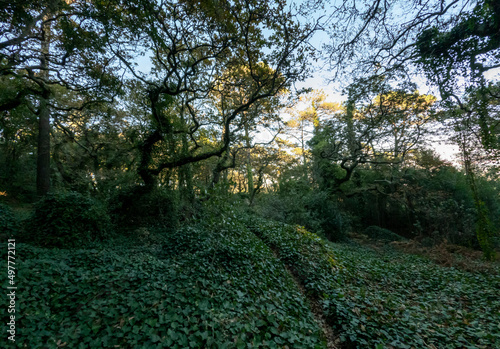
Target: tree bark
<point x="186" y="171"/>
<point x="43" y="151"/>
<point x="249" y="163"/>
<point x="146" y="149"/>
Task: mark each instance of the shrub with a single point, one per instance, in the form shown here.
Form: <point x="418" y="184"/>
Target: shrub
<point x="333" y="223"/>
<point x="378" y="233"/>
<point x="9" y="225"/>
<point x="312" y="209"/>
<point x="68" y="220"/>
<point x="136" y="206"/>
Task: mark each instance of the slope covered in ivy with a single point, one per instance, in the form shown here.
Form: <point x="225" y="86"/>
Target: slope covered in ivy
<point x="199" y="287"/>
<point x="389" y="299"/>
<point x="247" y="283"/>
<point x="406" y="301"/>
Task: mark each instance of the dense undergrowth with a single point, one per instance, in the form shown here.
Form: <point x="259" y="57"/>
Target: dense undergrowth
<point x="406" y="301"/>
<point x="388" y="299"/>
<point x="196" y="287"/>
<point x="223" y="284"/>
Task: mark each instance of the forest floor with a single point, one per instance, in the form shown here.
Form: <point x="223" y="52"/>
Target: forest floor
<point x="444" y="253"/>
<point x="248" y="283"/>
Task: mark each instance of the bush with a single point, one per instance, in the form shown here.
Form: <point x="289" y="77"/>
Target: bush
<point x="312" y="209"/>
<point x="378" y="233"/>
<point x="8" y="222"/>
<point x="333" y="223"/>
<point x="68" y="220"/>
<point x="136" y="206"/>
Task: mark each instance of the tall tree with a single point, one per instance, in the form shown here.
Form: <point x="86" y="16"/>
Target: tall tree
<point x="43" y="153"/>
<point x="452" y="43"/>
<point x="370" y="129"/>
<point x="53" y="43"/>
<point x="455" y="56"/>
<point x="304" y="118"/>
<point x="203" y="51"/>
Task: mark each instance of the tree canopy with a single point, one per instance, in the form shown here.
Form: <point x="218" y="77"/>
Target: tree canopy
<point x="107" y="96"/>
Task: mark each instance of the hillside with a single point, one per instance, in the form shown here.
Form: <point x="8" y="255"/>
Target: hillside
<point x="246" y="284"/>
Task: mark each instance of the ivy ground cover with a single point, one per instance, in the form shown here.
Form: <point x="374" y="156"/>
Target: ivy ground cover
<point x="226" y="286"/>
<point x="195" y="288"/>
<point x="388" y="299"/>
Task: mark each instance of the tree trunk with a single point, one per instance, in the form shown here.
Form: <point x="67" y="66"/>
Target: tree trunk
<point x="146" y="148"/>
<point x="484" y="229"/>
<point x="249" y="163"/>
<point x="186" y="171"/>
<point x="43" y="151"/>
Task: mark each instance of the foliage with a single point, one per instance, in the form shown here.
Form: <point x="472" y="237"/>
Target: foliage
<point x="172" y="147"/>
<point x="377" y="126"/>
<point x="67" y="220"/>
<point x="221" y="285"/>
<point x="466" y="46"/>
<point x="327" y="218"/>
<point x="9" y="224"/>
<point x="17" y="145"/>
<point x="485" y="232"/>
<point x="48" y="47"/>
<point x="214" y="63"/>
<point x="91" y="149"/>
<point x="387" y="299"/>
<point x="138" y="206"/>
<point x="476" y="128"/>
<point x="201" y="287"/>
<point x="378" y="233"/>
<point x="426" y="199"/>
<point x="296" y="203"/>
<point x="455" y="45"/>
<point x="444" y="205"/>
<point x="305" y="252"/>
<point x="402" y="301"/>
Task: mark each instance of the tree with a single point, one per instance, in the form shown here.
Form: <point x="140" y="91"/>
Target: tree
<point x="18" y="136"/>
<point x="380" y="131"/>
<point x="452" y="43"/>
<point x="262" y="115"/>
<point x="468" y="122"/>
<point x="93" y="150"/>
<point x="302" y="120"/>
<point x="468" y="48"/>
<point x="46" y="45"/>
<point x="459" y="54"/>
<point x="206" y="51"/>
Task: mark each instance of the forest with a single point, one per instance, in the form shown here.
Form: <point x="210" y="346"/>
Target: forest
<point x="250" y="174"/>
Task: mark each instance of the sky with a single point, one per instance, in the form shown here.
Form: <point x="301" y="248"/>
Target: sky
<point x="320" y="79"/>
